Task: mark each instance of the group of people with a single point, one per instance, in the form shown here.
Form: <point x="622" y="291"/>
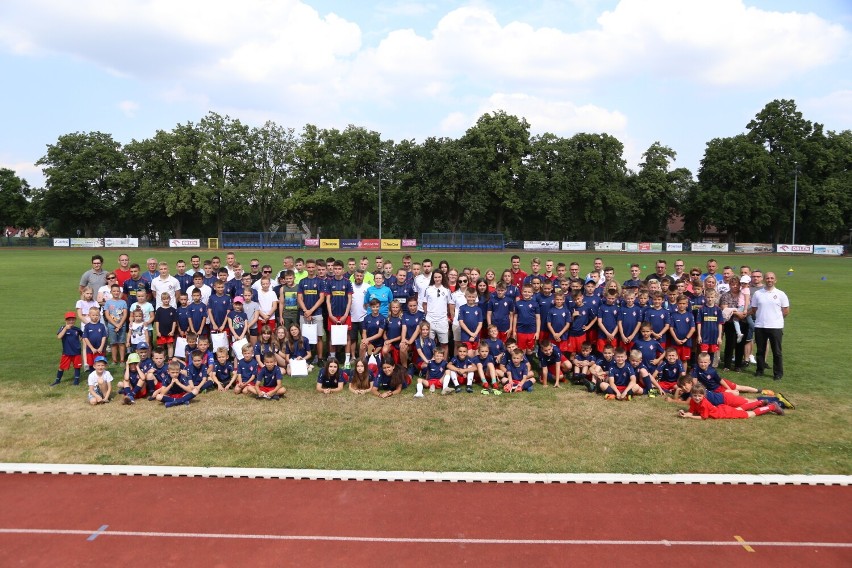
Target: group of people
<point x="378" y="329"/>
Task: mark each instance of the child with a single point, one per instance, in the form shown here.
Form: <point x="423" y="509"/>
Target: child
<point x="391" y="378"/>
<point x="709" y="323"/>
<point x="393" y="331"/>
<point x="360" y="380"/>
<point x="582" y="320"/>
<point x="424" y="348"/>
<point x="486" y="368"/>
<point x="70" y="336"/>
<point x="147" y="314"/>
<point x="154" y="368"/>
<point x="519" y="376"/>
<point x="115" y="316"/>
<point x="331" y="378"/>
<point x="701" y="407"/>
<point x="374" y="330"/>
<point x="682" y="329"/>
<point x="652" y="351"/>
<point x="268" y="384"/>
<point x="197" y="312"/>
<point x="608" y="317"/>
<point x="191" y="345"/>
<point x="198" y="373"/>
<point x="470" y="319"/>
<point x="410" y="329"/>
<point x="496" y="347"/>
<point x="205" y="350"/>
<point x="709" y="377"/>
<point x="527" y="320"/>
<point x="246" y="372"/>
<point x="501" y="311"/>
<point x="462" y="365"/>
<point x="94" y="336"/>
<point x="136" y="331"/>
<point x="600" y="370"/>
<point x="182" y="316"/>
<point x="621" y="379"/>
<point x="133" y="384"/>
<point x="646" y="377"/>
<point x="553" y="362"/>
<point x="84" y="304"/>
<point x="297" y="347"/>
<point x="165" y="324"/>
<point x="238" y="321"/>
<point x="670" y="370"/>
<point x="287" y="303"/>
<point x="100" y="382"/>
<point x="221" y="372"/>
<point x="436" y="376"/>
<point x="176" y="390"/>
<point x="659" y="318"/>
<point x="264" y="345"/>
<point x="558" y="323"/>
<point x="629" y="320"/>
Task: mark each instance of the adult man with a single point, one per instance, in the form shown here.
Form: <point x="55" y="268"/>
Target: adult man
<point x="422" y="281"/>
<point x="183" y="277"/>
<point x="135" y="286"/>
<point x="712" y="266"/>
<point x="535" y="271"/>
<point x="339" y="305"/>
<point x="152" y="271"/>
<point x="727" y="274"/>
<point x="95" y="277"/>
<point x="289" y="264"/>
<point x="518" y="275"/>
<point x="364" y="264"/>
<point x="769" y="307"/>
<point x="598" y="267"/>
<point x="660" y="271"/>
<point x="635" y="281"/>
<point x="679" y="273"/>
<point x="230" y="262"/>
<point x="755" y="285"/>
<point x="195" y="263"/>
<point x="574" y="270"/>
<point x="122" y="273"/>
<point x="254" y="270"/>
<point x="164" y="282"/>
<point x="310" y="297"/>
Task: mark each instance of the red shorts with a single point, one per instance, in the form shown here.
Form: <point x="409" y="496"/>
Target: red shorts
<point x="165" y="340"/>
<point x="544" y="335"/>
<point x="562" y="345"/>
<point x="730" y="385"/>
<point x="270" y="323"/>
<point x="619" y="388"/>
<point x="723" y="411"/>
<point x="502" y="335"/>
<point x="733" y="400"/>
<point x="347" y="322"/>
<point x="683" y="352"/>
<point x="526" y="341"/>
<point x="267" y="389"/>
<point x="472" y="345"/>
<point x="551" y="369"/>
<point x="709" y="348"/>
<point x="628" y="346"/>
<point x="592" y="336"/>
<point x="668" y="385"/>
<point x="575" y="344"/>
<point x="393" y="351"/>
<point x="603" y="342"/>
<point x="90" y="358"/>
<point x="66" y="361"/>
<point x="434" y="383"/>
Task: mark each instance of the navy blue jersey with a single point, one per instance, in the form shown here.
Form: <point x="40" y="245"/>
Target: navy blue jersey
<point x="268" y="378"/>
<point x="554" y="358"/>
<point x="146" y="365"/>
<point x="496" y="348"/>
<point x="670" y="372"/>
<point x="435" y="370"/>
<point x="480" y="360"/>
<point x="184" y="280"/>
<point x="329" y="381"/>
<point x="608" y="317"/>
<point x="393" y="328"/>
<point x="581" y="316"/>
<point x="681" y="324"/>
<point x="630" y="317"/>
<point x="558" y="318"/>
<point x="650" y="349"/>
<point x="622" y="374"/>
<point x="196" y="375"/>
<point x="373" y="325"/>
<point x="183" y="318"/>
<point x="460" y="363"/>
<point x="427" y="346"/>
<point x="71" y="341"/>
<point x="261" y="349"/>
<point x="501" y="311"/>
<point x="402" y="292"/>
<point x="517" y="372"/>
<point x="234" y="288"/>
<point x="544" y="302"/>
<point x="223" y="371"/>
<point x="605" y="364"/>
<point x="632" y="283"/>
<point x="172" y="386"/>
<point x="298" y="348"/>
<point x="132" y="288"/>
<point x="709" y="378"/>
<point x="710" y="318"/>
<point x="310" y="289"/>
<point x="247" y="369"/>
<point x="219" y="307"/>
<point x="472" y="316"/>
<point x="166" y="317"/>
<point x="579" y="357"/>
<point x="658" y="318"/>
<point x="95" y="333"/>
<point x="197" y="314"/>
<point x="340" y="291"/>
<point x="527" y="311"/>
<point x="410" y="322"/>
<point x="592" y="301"/>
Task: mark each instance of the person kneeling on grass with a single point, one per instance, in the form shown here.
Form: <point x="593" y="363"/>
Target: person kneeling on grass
<point x="100" y="382"/>
<point x="519" y="376"/>
<point x="331" y="378"/>
<point x="268" y="385"/>
<point x="704" y="404"/>
<point x="621" y="379"/>
<point x="437" y="375"/>
<point x="177" y="390"/>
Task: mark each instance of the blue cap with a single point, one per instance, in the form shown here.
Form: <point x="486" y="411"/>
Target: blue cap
<point x="100" y="359"/>
<point x="142" y="345"/>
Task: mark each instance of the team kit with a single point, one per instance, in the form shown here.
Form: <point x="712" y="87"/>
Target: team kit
<point x="419" y="328"/>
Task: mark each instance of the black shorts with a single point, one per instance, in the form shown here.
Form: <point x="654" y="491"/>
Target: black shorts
<point x="356" y="328"/>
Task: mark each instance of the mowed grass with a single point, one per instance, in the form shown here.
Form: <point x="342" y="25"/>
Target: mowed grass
<point x="549" y="430"/>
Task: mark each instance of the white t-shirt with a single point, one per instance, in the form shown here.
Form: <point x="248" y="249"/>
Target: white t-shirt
<point x="93" y="378"/>
<point x="358" y="312"/>
<point x="170" y="285"/>
<point x="266" y="299"/>
<point x="437" y="301"/>
<point x="205" y="292"/>
<point x="421" y="282"/>
<point x="769" y="304"/>
<point x="458" y="299"/>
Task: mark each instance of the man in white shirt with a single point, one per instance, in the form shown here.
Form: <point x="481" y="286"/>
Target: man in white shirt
<point x="165" y="282"/>
<point x="422" y="281"/>
<point x="769" y="307"/>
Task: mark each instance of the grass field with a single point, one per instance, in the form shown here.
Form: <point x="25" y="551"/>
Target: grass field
<point x="549" y="430"/>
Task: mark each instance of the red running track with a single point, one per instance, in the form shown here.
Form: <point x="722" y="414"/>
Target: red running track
<point x="151" y="522"/>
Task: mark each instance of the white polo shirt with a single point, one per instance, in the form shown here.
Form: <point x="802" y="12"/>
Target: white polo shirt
<point x="437" y="301"/>
<point x="769" y="304"/>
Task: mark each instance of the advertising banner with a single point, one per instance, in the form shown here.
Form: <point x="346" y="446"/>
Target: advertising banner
<point x="349" y="243"/>
<point x="631" y="247"/>
<point x="541" y="245"/>
<point x="112" y="242"/>
<point x="185" y="243"/>
<point x="709" y="247"/>
<point x="674" y="247"/>
<point x="62" y="242"/>
<point x="836" y="250"/>
<point x="370" y="244"/>
<point x="573" y="245"/>
<point x="650" y="247"/>
<point x="609" y="246"/>
<point x="329" y="243"/>
<point x="86" y="243"/>
<point x="796" y="249"/>
<point x="312" y="242"/>
<point x="753" y="248"/>
<point x="409" y="243"/>
<point x="391" y="244"/>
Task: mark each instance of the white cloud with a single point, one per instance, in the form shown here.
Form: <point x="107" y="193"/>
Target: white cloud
<point x="129" y="108"/>
<point x="834" y="109"/>
<point x="26" y="170"/>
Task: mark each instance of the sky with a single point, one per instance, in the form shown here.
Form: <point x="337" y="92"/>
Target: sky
<point x="680" y="72"/>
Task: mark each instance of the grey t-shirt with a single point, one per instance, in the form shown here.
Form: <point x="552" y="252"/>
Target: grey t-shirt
<point x="94" y="280"/>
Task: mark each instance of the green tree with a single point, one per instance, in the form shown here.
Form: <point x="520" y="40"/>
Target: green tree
<point x="274" y="153"/>
<point x="655" y="192"/>
<point x="82" y="177"/>
<point x="15" y="193"/>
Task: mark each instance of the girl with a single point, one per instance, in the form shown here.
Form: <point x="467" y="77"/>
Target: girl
<point x="297" y="347"/>
<point x="331" y="378"/>
<point x="491" y="280"/>
<point x="444" y="266"/>
<point x="137" y="333"/>
<point x="361" y="381"/>
<point x="281" y="339"/>
<point x="264" y="345"/>
<point x="86" y="302"/>
<point x="391" y="379"/>
<point x="424" y="347"/>
<point x="512" y="291"/>
<point x="393" y="331"/>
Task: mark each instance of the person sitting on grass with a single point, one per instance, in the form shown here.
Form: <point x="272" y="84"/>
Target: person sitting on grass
<point x="268" y="384"/>
<point x="198" y="373"/>
<point x="583" y="363"/>
<point x="177" y="390"/>
<point x="553" y="363"/>
<point x="391" y="379"/>
<point x="100" y="382"/>
<point x="519" y="376"/>
<point x="72" y="350"/>
<point x="436" y="376"/>
<point x="331" y="378"/>
<point x="621" y="379"/>
<point x="705" y="404"/>
<point x="670" y="370"/>
<point x="646" y="376"/>
<point x="246" y="372"/>
<point x="600" y="370"/>
<point x="360" y="381"/>
<point x="221" y="372"/>
<point x="133" y="384"/>
<point x="462" y="366"/>
<point x="487" y="370"/>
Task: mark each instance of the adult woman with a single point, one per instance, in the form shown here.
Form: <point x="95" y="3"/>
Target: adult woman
<point x="734" y="346"/>
<point x="444" y="266"/>
<point x="452" y="279"/>
<point x="437" y="308"/>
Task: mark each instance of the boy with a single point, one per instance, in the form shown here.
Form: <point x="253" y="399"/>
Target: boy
<point x="374" y="329"/>
<point x="709" y="324"/>
<point x="496" y="347"/>
<point x="100" y="382"/>
<point x="205" y="350"/>
<point x="553" y="362"/>
<point x="519" y="376"/>
<point x="558" y="322"/>
<point x="72" y="349"/>
<point x="218" y="308"/>
<point x="338" y="305"/>
<point x="702" y="407"/>
<point x="501" y="311"/>
<point x="176" y="390"/>
<point x="682" y="329"/>
<point x="582" y="320"/>
<point x="133" y="384"/>
<point x="221" y="372"/>
<point x="470" y="320"/>
<point x="646" y="376"/>
<point x="156" y="372"/>
<point x="246" y="371"/>
<point x="608" y="318"/>
<point x="268" y="384"/>
<point x="436" y="376"/>
<point x="462" y="365"/>
<point x="670" y="371"/>
<point x="709" y="377"/>
<point x="197" y="313"/>
<point x="545" y="299"/>
<point x="288" y="305"/>
<point x="94" y="336"/>
<point x="659" y="318"/>
<point x="527" y="320"/>
<point x="621" y="379"/>
<point x="198" y="284"/>
<point x="600" y="370"/>
<point x="652" y="351"/>
<point x="115" y="316"/>
<point x="486" y="369"/>
<point x="198" y="372"/>
<point x="165" y="324"/>
<point x="182" y="315"/>
<point x="583" y="363"/>
<point x="393" y="332"/>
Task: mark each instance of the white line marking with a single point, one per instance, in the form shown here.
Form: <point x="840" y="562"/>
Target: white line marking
<point x="424" y="476"/>
<point x="404" y="540"/>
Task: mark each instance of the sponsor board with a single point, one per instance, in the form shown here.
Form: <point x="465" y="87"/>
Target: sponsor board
<point x="349" y="243"/>
<point x="541" y="245"/>
<point x="796" y="249"/>
<point x="709" y="247"/>
<point x="631" y="247"/>
<point x="86" y="243"/>
<point x="409" y="242"/>
<point x="836" y="250"/>
<point x="62" y="242"/>
<point x="312" y="242"/>
<point x="329" y="243"/>
<point x="650" y="247"/>
<point x="674" y="247"/>
<point x="573" y="245"/>
<point x="370" y="244"/>
<point x="185" y="243"/>
<point x="391" y="244"/>
<point x="609" y="246"/>
<point x="111" y="242"/>
<point x="753" y="248"/>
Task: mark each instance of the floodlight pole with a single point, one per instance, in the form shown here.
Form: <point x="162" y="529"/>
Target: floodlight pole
<point x="380" y="203"/>
<point x="795" y="197"/>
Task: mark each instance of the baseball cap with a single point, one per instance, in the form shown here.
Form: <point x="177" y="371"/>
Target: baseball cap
<point x="745" y="279"/>
<point x="239" y="299"/>
<point x="69" y="315"/>
<point x="133" y="358"/>
<point x="142" y="345"/>
<point x="590" y="281"/>
<point x="100" y="359"/>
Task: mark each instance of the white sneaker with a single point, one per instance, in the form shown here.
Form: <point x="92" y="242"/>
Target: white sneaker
<point x="419" y="395"/>
<point x="752" y="360"/>
<point x="447" y="390"/>
<point x="432" y="388"/>
<point x="740" y="337"/>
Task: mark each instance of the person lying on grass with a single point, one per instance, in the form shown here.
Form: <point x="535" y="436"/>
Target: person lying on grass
<point x="331" y="378"/>
<point x="704" y="404"/>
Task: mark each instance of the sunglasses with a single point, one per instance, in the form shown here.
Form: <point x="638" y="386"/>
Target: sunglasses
<point x="255" y="266"/>
<point x="462" y="280"/>
<point x="267" y="272"/>
<point x="110" y="277"/>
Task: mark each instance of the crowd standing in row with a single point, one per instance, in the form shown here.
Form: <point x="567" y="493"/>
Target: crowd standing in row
<point x="441" y="327"/>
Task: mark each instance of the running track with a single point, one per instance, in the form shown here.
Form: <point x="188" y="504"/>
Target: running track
<point x="111" y="520"/>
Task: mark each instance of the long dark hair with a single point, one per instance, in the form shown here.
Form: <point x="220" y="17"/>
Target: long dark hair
<point x="398" y="373"/>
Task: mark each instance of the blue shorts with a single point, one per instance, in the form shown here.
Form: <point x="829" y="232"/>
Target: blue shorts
<point x="116" y="336"/>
